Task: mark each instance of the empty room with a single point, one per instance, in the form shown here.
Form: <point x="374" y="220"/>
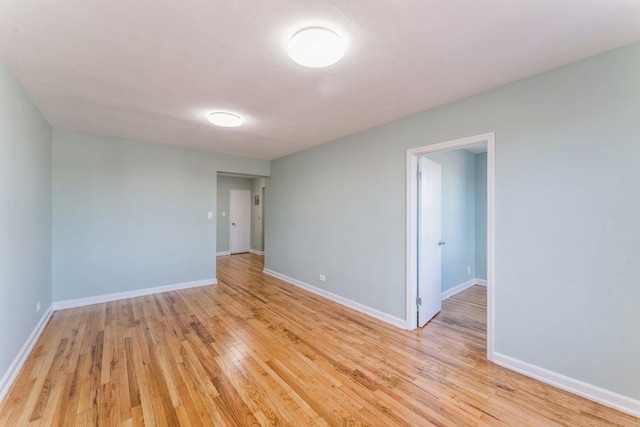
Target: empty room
<point x="363" y="213"/>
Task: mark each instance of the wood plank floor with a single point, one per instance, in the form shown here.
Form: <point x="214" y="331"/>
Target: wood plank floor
<point x="253" y="350"/>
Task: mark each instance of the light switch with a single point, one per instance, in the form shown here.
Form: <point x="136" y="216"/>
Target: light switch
<point x="224" y="213"/>
<point x="209" y="215"/>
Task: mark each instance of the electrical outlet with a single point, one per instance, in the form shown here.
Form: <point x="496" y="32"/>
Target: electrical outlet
<point x="38" y="306"/>
<point x="323" y="278"/>
<point x="468" y="269"/>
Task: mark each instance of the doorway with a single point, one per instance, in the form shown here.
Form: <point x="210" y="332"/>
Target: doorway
<point x="424" y="229"/>
<point x="224" y="224"/>
<point x="239" y="221"/>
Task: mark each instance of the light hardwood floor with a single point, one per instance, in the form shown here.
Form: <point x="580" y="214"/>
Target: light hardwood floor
<point x="253" y="350"/>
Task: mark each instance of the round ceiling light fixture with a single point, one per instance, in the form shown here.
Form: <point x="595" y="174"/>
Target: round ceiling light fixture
<point x="225" y="119"/>
<point x="316" y="47"/>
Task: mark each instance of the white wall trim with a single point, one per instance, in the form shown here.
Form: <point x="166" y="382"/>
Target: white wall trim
<point x="457" y="289"/>
<point x="589" y="391"/>
<point x="21" y="357"/>
<point x="462" y="287"/>
<point x="257" y="252"/>
<point x="392" y="320"/>
<point x="411" y="242"/>
<point x="80" y="302"/>
<point x="223" y="253"/>
<point x="411" y="248"/>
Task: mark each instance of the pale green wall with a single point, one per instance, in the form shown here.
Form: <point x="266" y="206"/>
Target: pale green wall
<point x="481" y="216"/>
<point x="256" y="214"/>
<point x="458" y="169"/>
<point x="226" y="183"/>
<point x="567" y="209"/>
<point x="25" y="217"/>
<point x="130" y="215"/>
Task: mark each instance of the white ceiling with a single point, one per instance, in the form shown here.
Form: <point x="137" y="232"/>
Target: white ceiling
<point x="152" y="69"/>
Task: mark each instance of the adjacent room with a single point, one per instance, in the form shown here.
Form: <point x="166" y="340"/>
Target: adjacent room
<point x="240" y="201"/>
<point x="452" y="225"/>
<point x="319" y="213"/>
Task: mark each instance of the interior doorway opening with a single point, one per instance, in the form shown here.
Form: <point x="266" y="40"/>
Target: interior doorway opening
<point x="240" y="214"/>
<point x="433" y="272"/>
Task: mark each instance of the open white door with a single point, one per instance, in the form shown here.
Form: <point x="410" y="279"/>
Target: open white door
<point x="240" y="221"/>
<point x="429" y="241"/>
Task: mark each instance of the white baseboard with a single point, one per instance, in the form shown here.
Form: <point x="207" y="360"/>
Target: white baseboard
<point x="21" y="357"/>
<point x="392" y="320"/>
<point x="257" y="252"/>
<point x="461" y="287"/>
<point x="80" y="302"/>
<point x="591" y="392"/>
<point x="457" y="289"/>
<point x="223" y="253"/>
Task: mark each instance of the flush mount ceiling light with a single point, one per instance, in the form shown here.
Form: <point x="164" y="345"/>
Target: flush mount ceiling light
<point x="316" y="47"/>
<point x="224" y="119"/>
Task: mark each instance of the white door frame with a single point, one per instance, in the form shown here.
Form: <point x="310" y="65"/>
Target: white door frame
<point x="412" y="227"/>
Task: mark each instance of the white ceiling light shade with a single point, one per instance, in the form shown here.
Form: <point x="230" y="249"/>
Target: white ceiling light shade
<point x="316" y="47"/>
<point x="225" y="119"/>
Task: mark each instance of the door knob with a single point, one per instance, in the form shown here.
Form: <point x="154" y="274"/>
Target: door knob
<point x="440" y="243"/>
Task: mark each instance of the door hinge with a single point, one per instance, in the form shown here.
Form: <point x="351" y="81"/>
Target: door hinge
<point x="419" y="175"/>
<point x="419" y="301"/>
